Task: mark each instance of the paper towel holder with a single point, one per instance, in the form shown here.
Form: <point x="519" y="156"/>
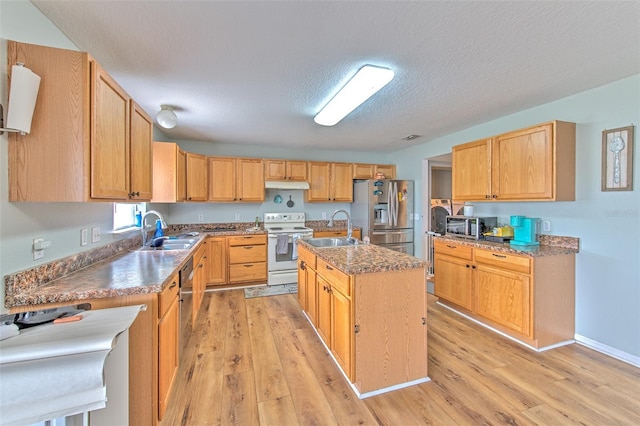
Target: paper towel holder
<point x="23" y="100"/>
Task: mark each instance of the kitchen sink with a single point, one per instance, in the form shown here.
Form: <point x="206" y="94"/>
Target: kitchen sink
<point x="173" y="244"/>
<point x="331" y="242"/>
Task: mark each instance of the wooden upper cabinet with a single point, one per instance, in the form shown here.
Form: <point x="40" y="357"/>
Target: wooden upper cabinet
<point x="236" y="179"/>
<point x="533" y="164"/>
<point x="79" y="146"/>
<point x="169" y="173"/>
<point x="141" y="162"/>
<point x="389" y="170"/>
<point x="330" y="182"/>
<point x="197" y="172"/>
<point x="285" y="170"/>
<point x="471" y="170"/>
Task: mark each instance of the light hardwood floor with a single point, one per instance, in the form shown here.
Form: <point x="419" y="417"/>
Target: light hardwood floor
<point x="258" y="362"/>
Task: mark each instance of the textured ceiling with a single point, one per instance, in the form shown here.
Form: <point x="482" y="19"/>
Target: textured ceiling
<point x="256" y="72"/>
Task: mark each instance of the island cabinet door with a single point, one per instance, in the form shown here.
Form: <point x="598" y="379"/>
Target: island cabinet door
<point x="324" y="310"/>
<point x="342" y="331"/>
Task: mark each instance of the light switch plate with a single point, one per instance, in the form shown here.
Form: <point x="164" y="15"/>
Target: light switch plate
<point x="38" y="254"/>
<point x="546" y="226"/>
<point x="95" y="234"/>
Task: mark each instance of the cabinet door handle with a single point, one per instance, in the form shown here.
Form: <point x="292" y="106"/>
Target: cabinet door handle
<point x="328" y="267"/>
<point x="473" y="267"/>
<point x="173" y="284"/>
<point x="468" y="266"/>
<point x="501" y="256"/>
<point x="494" y="196"/>
<point x="303" y="266"/>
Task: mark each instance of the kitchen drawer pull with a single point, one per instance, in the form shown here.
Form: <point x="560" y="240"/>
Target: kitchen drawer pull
<point x="501" y="256"/>
<point x="248" y="247"/>
<point x="451" y="247"/>
<point x="328" y="267"/>
<point x="248" y="265"/>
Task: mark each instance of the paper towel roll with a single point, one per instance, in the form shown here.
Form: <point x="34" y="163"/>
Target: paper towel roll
<point x="22" y="98"/>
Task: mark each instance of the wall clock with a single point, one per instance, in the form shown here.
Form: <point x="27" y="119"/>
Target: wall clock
<point x="617" y="159"/>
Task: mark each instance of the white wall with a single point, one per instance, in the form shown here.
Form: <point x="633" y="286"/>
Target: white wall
<point x="607" y="223"/>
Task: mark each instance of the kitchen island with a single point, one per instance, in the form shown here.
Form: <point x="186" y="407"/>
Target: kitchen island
<point x="368" y="306"/>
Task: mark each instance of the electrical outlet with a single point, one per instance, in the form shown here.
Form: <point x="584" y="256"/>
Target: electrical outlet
<point x="95" y="234"/>
<point x="38" y="251"/>
<point x="324" y="215"/>
<point x="237" y="216"/>
<point x="546" y="226"/>
<point x="200" y="217"/>
<point x="84" y="237"/>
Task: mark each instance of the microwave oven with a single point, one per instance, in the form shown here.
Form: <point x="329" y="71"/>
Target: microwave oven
<point x="469" y="226"/>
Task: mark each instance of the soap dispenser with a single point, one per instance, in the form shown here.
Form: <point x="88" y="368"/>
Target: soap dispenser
<point x="159" y="233"/>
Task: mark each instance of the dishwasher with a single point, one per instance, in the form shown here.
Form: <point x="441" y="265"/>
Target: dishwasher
<point x="186" y="276"/>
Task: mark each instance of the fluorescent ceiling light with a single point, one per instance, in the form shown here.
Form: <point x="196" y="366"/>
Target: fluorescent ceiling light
<point x="367" y="81"/>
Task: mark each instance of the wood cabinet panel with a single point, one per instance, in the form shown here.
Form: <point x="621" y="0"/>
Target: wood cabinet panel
<point x="169" y="173"/>
<point x="217" y="257"/>
<point x="285" y="170"/>
<point x="341" y="182"/>
<point x="165" y="298"/>
<point x="247" y="253"/>
<point x="330" y="182"/>
<point x="471" y="170"/>
<point x="168" y="353"/>
<point x="335" y="277"/>
<point x="109" y="137"/>
<point x="503" y="297"/>
<point x="246" y="240"/>
<point x="356" y="233"/>
<point x="318" y="182"/>
<point x="247" y="272"/>
<point x="453" y="281"/>
<point x="453" y="249"/>
<point x="141" y="162"/>
<point x="532" y="164"/>
<point x="510" y="262"/>
<point x="389" y="170"/>
<point x="324" y="310"/>
<point x="236" y="179"/>
<point x="197" y="177"/>
<point x="342" y="330"/>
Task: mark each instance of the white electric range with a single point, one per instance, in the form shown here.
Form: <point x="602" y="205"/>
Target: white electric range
<point x="282" y="255"/>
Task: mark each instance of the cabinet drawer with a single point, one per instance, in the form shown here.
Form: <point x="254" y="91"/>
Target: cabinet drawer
<point x="247" y="240"/>
<point x="247" y="254"/>
<point x="453" y="249"/>
<point x="168" y="295"/>
<point x="506" y="261"/>
<point x="335" y="277"/>
<point x="248" y="272"/>
<point x="307" y="257"/>
<point x="325" y="234"/>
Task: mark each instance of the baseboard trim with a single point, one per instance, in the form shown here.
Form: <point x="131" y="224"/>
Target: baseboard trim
<point x="608" y="350"/>
<point x="542" y="349"/>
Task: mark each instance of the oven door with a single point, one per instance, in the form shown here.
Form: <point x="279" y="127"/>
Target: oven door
<point x="280" y="261"/>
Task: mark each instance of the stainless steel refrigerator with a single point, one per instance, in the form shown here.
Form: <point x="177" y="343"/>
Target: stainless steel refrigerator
<point x="383" y="208"/>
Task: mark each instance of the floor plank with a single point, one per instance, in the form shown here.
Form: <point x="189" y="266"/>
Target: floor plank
<point x="259" y="362"/>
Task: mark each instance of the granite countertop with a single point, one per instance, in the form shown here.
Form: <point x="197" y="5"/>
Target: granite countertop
<point x="549" y="246"/>
<point x="128" y="273"/>
<point x="321" y="225"/>
<point x="363" y="259"/>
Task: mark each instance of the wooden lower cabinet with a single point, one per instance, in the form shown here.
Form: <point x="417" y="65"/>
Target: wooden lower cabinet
<point x="168" y="342"/>
<point x="217" y="258"/>
<point x="349" y="313"/>
<point x="199" y="284"/>
<point x="529" y="298"/>
<point x="247" y="256"/>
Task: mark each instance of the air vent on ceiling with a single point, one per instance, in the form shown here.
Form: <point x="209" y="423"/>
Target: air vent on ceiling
<point x="411" y="137"/>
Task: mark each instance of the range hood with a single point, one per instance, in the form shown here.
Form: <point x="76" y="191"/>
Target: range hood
<point x="285" y="184"/>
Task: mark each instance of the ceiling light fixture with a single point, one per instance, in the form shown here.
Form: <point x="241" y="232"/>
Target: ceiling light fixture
<point x="166" y="117"/>
<point x="367" y="81"/>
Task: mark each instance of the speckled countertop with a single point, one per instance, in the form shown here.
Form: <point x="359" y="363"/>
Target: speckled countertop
<point x="363" y="259"/>
<point x="549" y="246"/>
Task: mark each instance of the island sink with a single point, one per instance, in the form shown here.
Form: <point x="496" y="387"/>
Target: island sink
<point x="332" y="242"/>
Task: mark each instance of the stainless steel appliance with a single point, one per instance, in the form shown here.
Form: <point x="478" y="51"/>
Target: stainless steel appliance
<point x="186" y="277"/>
<point x="282" y="254"/>
<point x="383" y="208"/>
<point x="470" y="227"/>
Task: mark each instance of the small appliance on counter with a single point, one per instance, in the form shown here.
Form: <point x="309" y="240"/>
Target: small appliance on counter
<point x="525" y="231"/>
<point x="469" y="227"/>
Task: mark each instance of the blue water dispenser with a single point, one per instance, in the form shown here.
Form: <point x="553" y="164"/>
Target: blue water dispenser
<point x="525" y="231"/>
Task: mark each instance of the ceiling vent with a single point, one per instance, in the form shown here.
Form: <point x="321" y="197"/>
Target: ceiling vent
<point x="411" y="137"/>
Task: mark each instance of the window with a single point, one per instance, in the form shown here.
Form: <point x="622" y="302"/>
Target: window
<point x="124" y="215"/>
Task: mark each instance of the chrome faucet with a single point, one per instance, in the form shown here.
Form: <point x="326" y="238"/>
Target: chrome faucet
<point x="349" y="227"/>
<point x="143" y="229"/>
